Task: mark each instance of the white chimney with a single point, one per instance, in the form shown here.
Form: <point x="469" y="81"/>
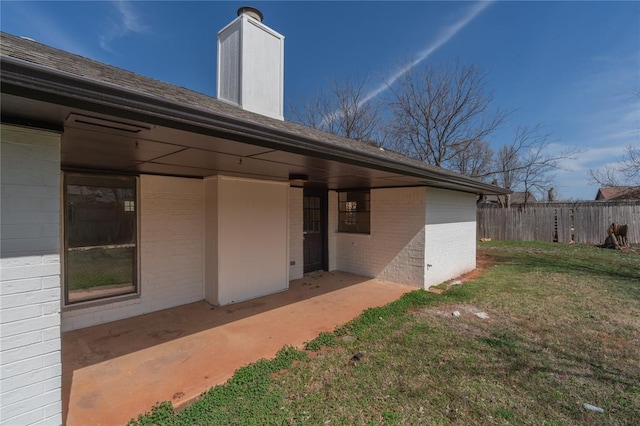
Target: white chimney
<point x="251" y="65"/>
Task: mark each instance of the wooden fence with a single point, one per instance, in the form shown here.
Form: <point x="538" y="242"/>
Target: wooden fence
<point x="583" y="222"/>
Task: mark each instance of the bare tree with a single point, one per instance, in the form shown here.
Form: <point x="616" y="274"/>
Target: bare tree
<point x="528" y="163"/>
<point x="631" y="165"/>
<point x="507" y="166"/>
<point x="625" y="172"/>
<point x="343" y="110"/>
<point x="606" y="176"/>
<point x="440" y="115"/>
<point x="476" y="161"/>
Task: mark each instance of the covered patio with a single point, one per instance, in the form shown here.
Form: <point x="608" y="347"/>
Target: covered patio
<point x="115" y="371"/>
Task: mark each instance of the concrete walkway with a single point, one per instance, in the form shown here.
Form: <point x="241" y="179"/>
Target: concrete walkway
<point x="113" y="372"/>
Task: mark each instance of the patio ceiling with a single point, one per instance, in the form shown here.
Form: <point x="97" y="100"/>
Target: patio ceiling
<point x="168" y="151"/>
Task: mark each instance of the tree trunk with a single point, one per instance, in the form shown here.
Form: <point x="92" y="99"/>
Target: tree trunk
<point x="611" y="242"/>
<point x="616" y="237"/>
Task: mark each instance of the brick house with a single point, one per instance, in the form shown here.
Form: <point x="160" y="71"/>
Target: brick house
<point x="123" y="195"/>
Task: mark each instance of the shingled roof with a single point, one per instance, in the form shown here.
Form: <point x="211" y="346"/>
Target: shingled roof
<point x="28" y="65"/>
<point x="616" y="193"/>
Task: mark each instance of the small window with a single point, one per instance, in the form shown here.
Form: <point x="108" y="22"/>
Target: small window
<point x="354" y="212"/>
<point x="100" y="228"/>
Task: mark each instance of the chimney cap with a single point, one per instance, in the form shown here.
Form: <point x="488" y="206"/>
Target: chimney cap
<point x="252" y="12"/>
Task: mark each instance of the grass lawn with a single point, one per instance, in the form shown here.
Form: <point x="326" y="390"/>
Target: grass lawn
<point x="562" y="329"/>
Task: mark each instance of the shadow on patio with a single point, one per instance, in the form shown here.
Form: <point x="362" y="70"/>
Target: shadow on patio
<point x="115" y="371"/>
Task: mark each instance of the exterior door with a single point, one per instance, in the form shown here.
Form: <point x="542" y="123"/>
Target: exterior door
<point x="314" y="227"/>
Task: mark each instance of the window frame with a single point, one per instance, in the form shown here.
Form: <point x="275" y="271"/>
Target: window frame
<point x="68" y="304"/>
<point x="353" y="206"/>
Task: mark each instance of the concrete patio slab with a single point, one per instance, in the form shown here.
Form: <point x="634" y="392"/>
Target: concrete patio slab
<point x="113" y="372"/>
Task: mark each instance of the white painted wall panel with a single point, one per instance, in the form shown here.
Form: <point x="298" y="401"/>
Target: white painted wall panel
<point x="332" y="220"/>
<point x="450" y="247"/>
<point x="296" y="236"/>
<point x="30" y="361"/>
<point x="171" y="250"/>
<point x="211" y="240"/>
<point x="253" y="255"/>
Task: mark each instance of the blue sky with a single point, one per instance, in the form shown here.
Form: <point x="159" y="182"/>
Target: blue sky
<point x="572" y="67"/>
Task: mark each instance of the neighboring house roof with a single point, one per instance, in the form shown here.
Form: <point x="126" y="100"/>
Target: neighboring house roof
<point x="614" y="193"/>
<point x="47" y="85"/>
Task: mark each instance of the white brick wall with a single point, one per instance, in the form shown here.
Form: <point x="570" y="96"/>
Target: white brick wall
<point x="30" y="363"/>
<point x="394" y="249"/>
<point x="450" y="248"/>
<point x="419" y="236"/>
<point x="296" y="241"/>
<point x="171" y="241"/>
<point x="171" y="252"/>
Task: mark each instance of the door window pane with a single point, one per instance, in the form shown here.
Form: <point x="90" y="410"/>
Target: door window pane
<point x="311" y="214"/>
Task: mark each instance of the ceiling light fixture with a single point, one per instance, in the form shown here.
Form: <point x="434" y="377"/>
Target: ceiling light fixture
<point x="298" y="178"/>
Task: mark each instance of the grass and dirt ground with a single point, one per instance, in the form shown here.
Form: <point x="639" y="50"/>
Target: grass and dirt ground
<point x="535" y="333"/>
